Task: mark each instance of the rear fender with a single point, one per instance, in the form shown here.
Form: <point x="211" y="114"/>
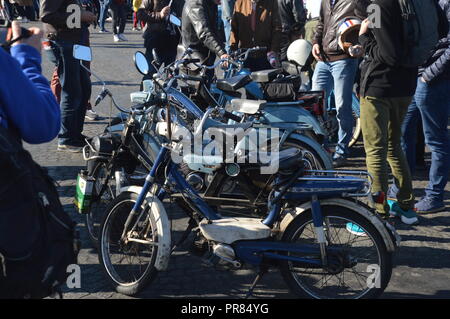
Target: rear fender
<point x="360" y="209"/>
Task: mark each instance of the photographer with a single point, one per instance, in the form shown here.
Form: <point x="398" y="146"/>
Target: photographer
<point x="27" y="105"/>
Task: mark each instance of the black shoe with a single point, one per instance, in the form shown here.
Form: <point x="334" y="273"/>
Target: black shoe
<point x="339" y="161"/>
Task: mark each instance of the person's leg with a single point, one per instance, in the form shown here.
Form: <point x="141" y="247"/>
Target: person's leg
<point x="115" y="16"/>
<point x="409" y="134"/>
<point x="420" y="147"/>
<point x="135" y="20"/>
<point x="433" y="103"/>
<point x="149" y="46"/>
<point x="227" y="14"/>
<point x="395" y="155"/>
<point x="55" y="85"/>
<point x="104" y="6"/>
<point x="71" y="95"/>
<point x="374" y="125"/>
<point x="85" y="101"/>
<point x="122" y="18"/>
<point x="344" y="72"/>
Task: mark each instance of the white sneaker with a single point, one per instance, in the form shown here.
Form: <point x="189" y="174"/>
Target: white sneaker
<point x="122" y="37"/>
<point x="116" y="38"/>
<point x="23" y="19"/>
<point x="91" y="115"/>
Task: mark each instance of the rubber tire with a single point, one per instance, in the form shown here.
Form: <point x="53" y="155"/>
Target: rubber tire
<point x="386" y="257"/>
<point x="150" y="273"/>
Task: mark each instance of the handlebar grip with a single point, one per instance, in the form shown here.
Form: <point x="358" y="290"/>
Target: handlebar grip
<point x="232" y="116"/>
<point x="100" y="97"/>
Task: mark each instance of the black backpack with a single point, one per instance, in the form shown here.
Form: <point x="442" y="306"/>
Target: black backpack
<point x="37" y="237"/>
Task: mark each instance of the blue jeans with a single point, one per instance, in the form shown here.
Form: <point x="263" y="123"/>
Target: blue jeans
<point x="104" y="6"/>
<point x="340" y="76"/>
<point x="227" y="14"/>
<point x="431" y="102"/>
<point x="75" y="91"/>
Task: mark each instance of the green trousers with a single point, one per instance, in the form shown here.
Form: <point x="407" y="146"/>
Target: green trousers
<point x="381" y="121"/>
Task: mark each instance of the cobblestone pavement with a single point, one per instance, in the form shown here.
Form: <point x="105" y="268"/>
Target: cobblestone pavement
<point x="422" y="264"/>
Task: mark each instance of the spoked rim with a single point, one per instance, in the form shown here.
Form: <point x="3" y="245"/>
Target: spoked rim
<point x="110" y="239"/>
<point x="361" y="260"/>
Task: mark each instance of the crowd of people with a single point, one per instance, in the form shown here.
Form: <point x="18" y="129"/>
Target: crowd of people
<point x="394" y="96"/>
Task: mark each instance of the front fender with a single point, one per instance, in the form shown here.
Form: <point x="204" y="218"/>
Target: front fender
<point x="324" y="155"/>
<point x="162" y="227"/>
<point x="360" y="209"/>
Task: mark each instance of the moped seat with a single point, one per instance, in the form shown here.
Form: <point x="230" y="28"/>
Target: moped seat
<point x="265" y="76"/>
<point x="234" y="83"/>
<point x="247" y="106"/>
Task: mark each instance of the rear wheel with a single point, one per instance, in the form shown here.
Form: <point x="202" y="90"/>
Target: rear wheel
<point x="360" y="266"/>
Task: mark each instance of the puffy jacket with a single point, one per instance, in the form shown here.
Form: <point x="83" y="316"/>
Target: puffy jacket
<point x="438" y="66"/>
<point x="199" y="28"/>
<point x="27" y="104"/>
<point x="329" y="22"/>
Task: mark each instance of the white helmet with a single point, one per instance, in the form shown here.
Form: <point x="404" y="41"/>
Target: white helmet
<point x="299" y="52"/>
<point x="348" y="32"/>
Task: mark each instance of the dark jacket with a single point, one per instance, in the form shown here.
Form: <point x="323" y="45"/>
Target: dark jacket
<point x="293" y="19"/>
<point x="381" y="75"/>
<point x="438" y="65"/>
<point x="199" y="29"/>
<point x="268" y="26"/>
<point x="54" y="15"/>
<point x="329" y="22"/>
<point x="149" y="12"/>
<point x="292" y="15"/>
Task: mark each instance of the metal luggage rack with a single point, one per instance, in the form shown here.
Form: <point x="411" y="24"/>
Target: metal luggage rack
<point x="338" y="176"/>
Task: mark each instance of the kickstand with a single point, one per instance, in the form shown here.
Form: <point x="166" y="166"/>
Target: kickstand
<point x="262" y="271"/>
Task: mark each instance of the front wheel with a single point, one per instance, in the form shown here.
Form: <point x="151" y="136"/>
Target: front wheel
<point x="129" y="262"/>
<point x="359" y="264"/>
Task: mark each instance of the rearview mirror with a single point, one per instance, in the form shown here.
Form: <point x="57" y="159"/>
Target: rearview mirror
<point x="141" y="63"/>
<point x="174" y="20"/>
<point x="81" y="52"/>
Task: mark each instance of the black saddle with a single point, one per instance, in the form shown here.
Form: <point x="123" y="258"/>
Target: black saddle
<point x="265" y="76"/>
<point x="234" y="83"/>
